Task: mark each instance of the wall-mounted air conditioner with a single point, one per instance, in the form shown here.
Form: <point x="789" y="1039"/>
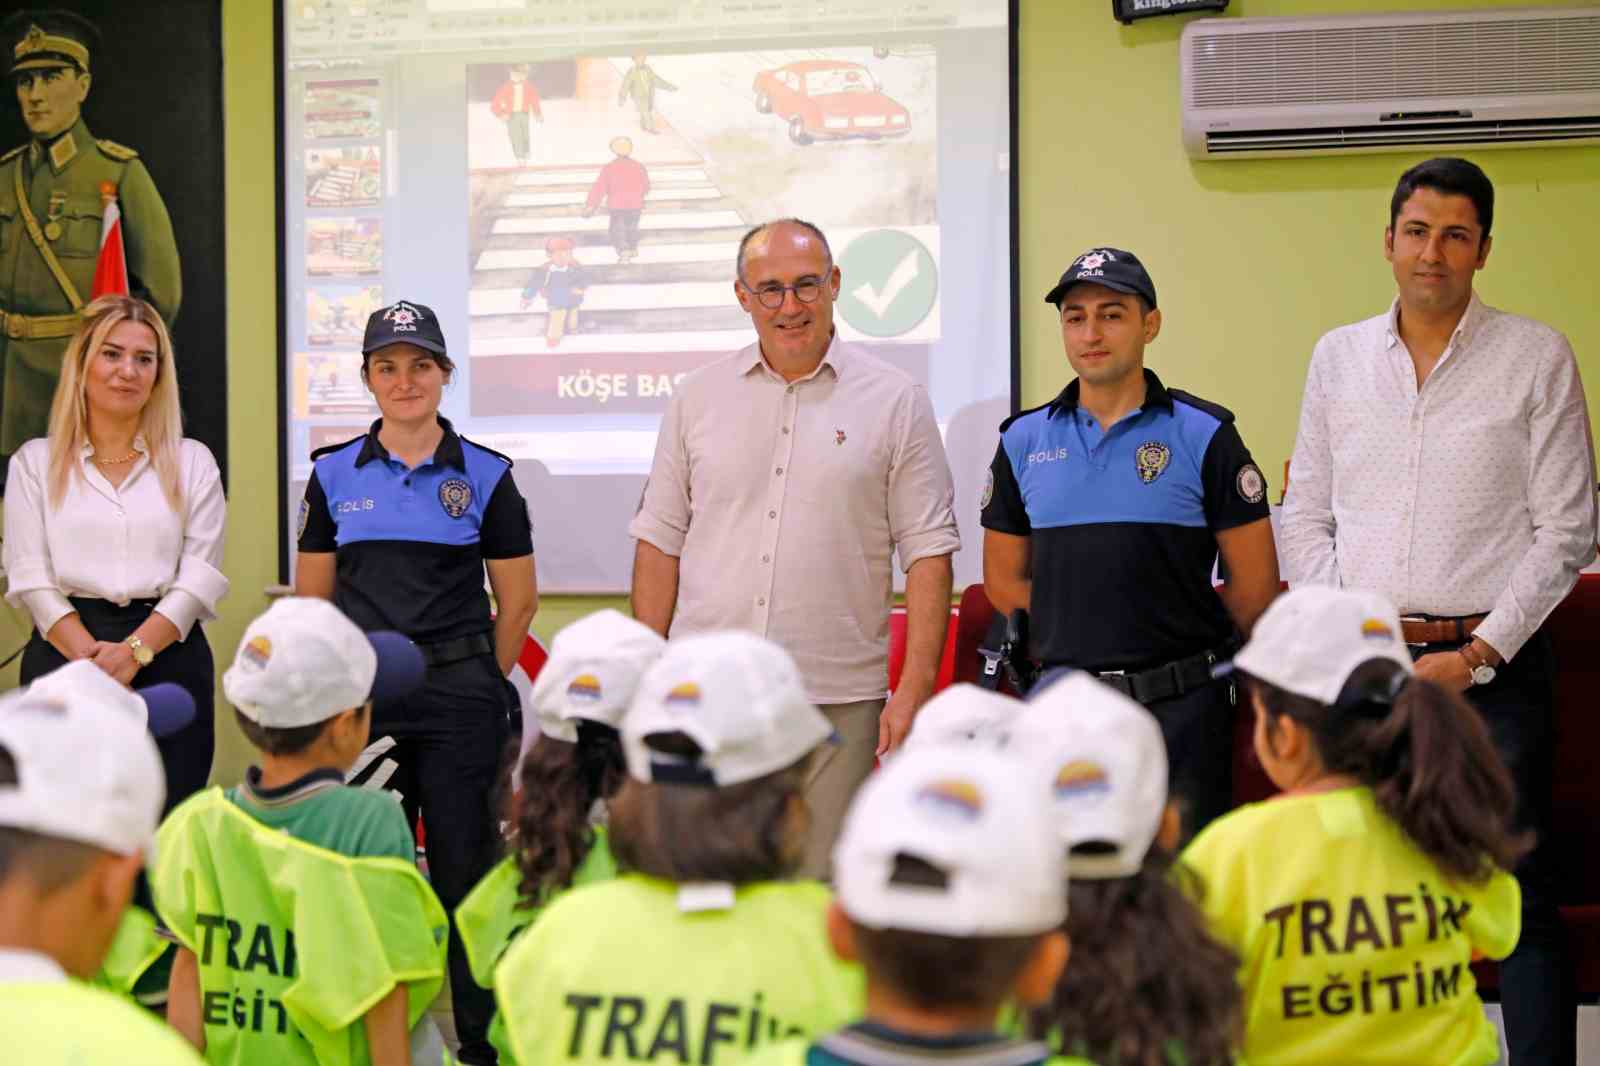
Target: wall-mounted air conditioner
<point x="1384" y="83"/>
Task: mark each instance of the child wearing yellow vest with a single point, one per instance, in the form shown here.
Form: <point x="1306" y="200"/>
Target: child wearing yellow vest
<point x="1359" y="897"/>
<point x="951" y="896"/>
<point x="703" y="949"/>
<point x="308" y="938"/>
<point x="565" y="778"/>
<point x="81" y="791"/>
<point x="1143" y="988"/>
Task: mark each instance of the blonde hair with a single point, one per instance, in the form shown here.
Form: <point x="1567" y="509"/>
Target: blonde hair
<point x="161" y="421"/>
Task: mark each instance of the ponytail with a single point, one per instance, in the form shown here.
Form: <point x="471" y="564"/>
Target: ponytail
<point x="1144" y="978"/>
<point x="561" y="783"/>
<point x="1429" y="762"/>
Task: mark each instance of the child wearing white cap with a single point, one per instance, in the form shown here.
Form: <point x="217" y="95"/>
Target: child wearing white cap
<point x="951" y="895"/>
<point x="1359" y="898"/>
<point x="566" y="776"/>
<point x="965" y="712"/>
<point x="81" y="791"/>
<point x="1143" y="988"/>
<point x="306" y="934"/>
<point x="702" y="950"/>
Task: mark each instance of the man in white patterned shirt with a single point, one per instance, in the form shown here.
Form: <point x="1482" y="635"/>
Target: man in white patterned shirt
<point x="1444" y="459"/>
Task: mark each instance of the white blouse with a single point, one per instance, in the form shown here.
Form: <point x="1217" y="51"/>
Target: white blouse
<point x="116" y="543"/>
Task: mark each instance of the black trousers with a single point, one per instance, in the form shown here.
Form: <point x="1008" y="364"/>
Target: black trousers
<point x="1538" y="988"/>
<point x="186" y="754"/>
<point x="1198" y="729"/>
<point x="449" y="736"/>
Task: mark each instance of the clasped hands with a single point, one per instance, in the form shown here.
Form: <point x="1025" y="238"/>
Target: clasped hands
<point x="114" y="657"/>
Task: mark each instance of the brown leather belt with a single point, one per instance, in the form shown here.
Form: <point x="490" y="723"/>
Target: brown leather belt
<point x="21" y="327"/>
<point x="1419" y="630"/>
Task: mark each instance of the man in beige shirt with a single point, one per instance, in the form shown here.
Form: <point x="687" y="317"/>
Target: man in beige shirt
<point x="784" y="477"/>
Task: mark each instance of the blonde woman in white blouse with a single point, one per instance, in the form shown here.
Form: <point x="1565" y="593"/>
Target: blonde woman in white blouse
<point x="114" y="526"/>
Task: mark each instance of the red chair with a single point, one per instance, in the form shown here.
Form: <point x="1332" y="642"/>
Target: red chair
<point x="897" y="650"/>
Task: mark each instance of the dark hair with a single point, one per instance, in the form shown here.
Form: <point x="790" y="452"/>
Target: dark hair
<point x="754" y="231"/>
<point x="1427" y="756"/>
<point x="1455" y="177"/>
<point x="942" y="972"/>
<point x="689" y="832"/>
<point x="49" y="862"/>
<point x="560" y="784"/>
<point x="289" y="741"/>
<point x="446" y="364"/>
<point x="1146" y="975"/>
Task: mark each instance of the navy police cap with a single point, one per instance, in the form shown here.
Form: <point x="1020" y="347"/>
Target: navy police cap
<point x="1111" y="267"/>
<point x="403" y="322"/>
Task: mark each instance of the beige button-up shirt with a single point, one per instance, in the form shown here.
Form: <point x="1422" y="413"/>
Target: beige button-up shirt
<point x="783" y="502"/>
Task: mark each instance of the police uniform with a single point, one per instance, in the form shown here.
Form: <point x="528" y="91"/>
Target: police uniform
<point x="62" y="184"/>
<point x="1122" y="527"/>
<point x="410" y="546"/>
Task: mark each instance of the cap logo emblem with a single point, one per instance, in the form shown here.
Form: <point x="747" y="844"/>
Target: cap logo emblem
<point x="404" y="317"/>
<point x="1252" y="486"/>
<point x="455" y="496"/>
<point x="1151" y="458"/>
<point x="1080" y="778"/>
<point x="686" y="694"/>
<point x="952" y="797"/>
<point x="1095" y="260"/>
<point x="585" y="687"/>
<point x="1373" y="629"/>
<point x="257" y="651"/>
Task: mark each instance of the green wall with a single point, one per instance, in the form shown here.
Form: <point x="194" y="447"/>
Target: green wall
<point x="1253" y="260"/>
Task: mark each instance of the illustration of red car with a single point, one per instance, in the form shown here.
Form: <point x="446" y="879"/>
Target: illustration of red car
<point x="829" y="100"/>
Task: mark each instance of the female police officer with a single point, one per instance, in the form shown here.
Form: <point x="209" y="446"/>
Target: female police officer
<point x="397" y="527"/>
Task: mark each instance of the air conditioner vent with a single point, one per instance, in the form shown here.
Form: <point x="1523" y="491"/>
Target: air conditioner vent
<point x="1526" y="131"/>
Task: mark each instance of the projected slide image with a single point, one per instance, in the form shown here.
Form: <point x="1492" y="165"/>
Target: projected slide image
<point x="336" y="315"/>
<point x="329" y="383"/>
<point x="608" y="195"/>
<point x="344" y="246"/>
<point x="344" y="177"/>
<point x="342" y="110"/>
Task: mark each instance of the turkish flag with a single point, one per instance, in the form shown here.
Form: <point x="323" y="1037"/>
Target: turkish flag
<point x="111" y="270"/>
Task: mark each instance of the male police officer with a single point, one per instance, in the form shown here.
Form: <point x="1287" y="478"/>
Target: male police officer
<point x="1104" y="512"/>
<point x="53" y="192"/>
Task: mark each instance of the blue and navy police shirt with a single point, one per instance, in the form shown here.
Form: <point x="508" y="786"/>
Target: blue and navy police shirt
<point x="410" y="543"/>
<point x="1122" y="524"/>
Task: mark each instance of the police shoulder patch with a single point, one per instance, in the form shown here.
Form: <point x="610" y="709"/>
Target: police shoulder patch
<point x="455" y="496"/>
<point x="120" y="152"/>
<point x="305" y="516"/>
<point x="1251" y="485"/>
<point x="988" y="489"/>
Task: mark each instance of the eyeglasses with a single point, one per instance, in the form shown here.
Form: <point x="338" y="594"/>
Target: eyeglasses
<point x="771" y="296"/>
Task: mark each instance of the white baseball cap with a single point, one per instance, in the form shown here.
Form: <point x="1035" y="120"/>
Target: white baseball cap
<point x="594" y="667"/>
<point x="164" y="707"/>
<point x="980" y="818"/>
<point x="1313" y="637"/>
<point x="1104" y="762"/>
<point x="737" y="696"/>
<point x="302" y="662"/>
<point x="87" y="768"/>
<point x="964" y="712"/>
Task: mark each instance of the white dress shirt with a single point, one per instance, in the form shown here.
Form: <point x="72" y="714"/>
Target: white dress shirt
<point x="784" y="503"/>
<point x="22" y="966"/>
<point x="116" y="543"/>
<point x="1474" y="495"/>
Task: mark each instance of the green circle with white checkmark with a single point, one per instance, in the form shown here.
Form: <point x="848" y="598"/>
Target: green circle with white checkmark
<point x="888" y="283"/>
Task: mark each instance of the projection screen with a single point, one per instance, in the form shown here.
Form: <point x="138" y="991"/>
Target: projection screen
<point x="448" y="152"/>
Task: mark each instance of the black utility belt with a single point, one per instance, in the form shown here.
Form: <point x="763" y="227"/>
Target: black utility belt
<point x="444" y="652"/>
<point x="1163" y="682"/>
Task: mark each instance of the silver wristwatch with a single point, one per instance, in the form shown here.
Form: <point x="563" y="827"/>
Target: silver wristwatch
<point x="1481" y="673"/>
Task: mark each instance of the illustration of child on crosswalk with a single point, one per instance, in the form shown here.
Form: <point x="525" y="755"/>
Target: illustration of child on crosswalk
<point x="563" y="283"/>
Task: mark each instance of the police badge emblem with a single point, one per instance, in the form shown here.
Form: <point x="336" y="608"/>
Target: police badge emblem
<point x="1151" y="458"/>
<point x="1252" y="486"/>
<point x="455" y="496"/>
